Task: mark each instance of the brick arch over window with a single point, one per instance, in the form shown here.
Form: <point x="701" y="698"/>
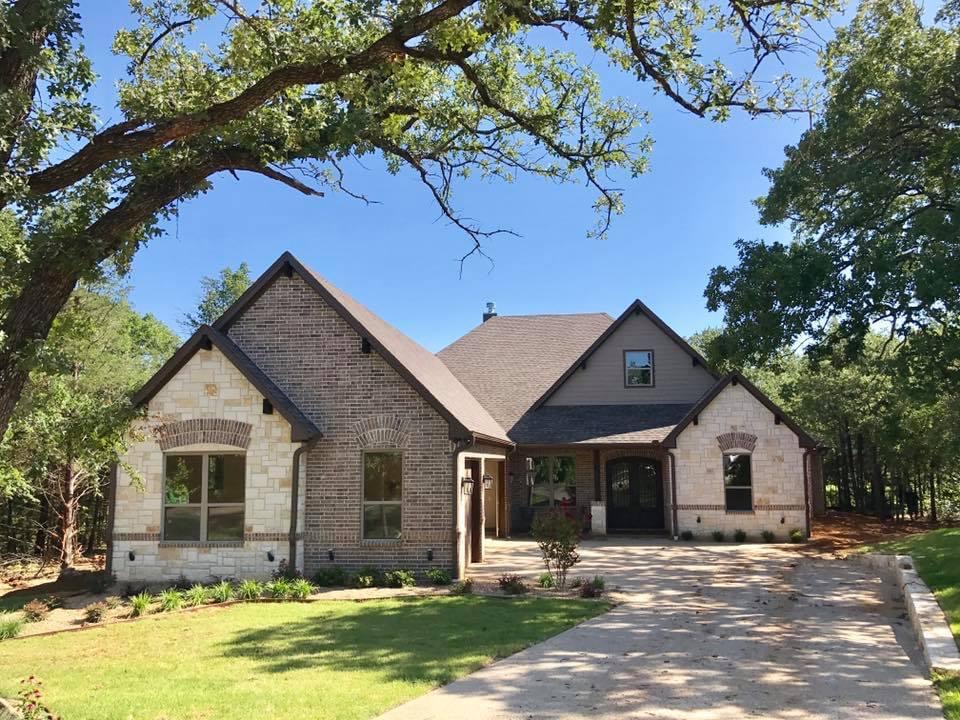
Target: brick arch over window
<point x="382" y="431"/>
<point x="204" y="431"/>
<point x="739" y="440"/>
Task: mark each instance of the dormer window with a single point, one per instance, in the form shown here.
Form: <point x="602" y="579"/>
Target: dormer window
<point x="638" y="368"/>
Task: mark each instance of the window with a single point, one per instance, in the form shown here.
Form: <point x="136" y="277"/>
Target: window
<point x="737" y="483"/>
<point x="554" y="482"/>
<point x="382" y="491"/>
<point x="638" y="368"/>
<point x="203" y="497"/>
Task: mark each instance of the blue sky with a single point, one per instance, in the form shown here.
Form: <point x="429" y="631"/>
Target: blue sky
<point x="682" y="218"/>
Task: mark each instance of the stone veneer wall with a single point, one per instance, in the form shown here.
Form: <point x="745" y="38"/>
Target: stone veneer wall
<point x="208" y="406"/>
<point x="776" y="469"/>
<point x="361" y="402"/>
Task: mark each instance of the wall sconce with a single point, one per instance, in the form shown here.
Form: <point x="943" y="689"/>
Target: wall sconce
<point x="530" y="475"/>
<point x="782" y="520"/>
<point x="487" y="482"/>
<point x="430" y="555"/>
<point x="698" y="519"/>
<point x="132" y="556"/>
<point x="330" y="554"/>
<point x="270" y="556"/>
<point x="466" y="482"/>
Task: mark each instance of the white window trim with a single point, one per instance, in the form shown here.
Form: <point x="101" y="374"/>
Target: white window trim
<point x="204" y="505"/>
<point x="723" y="477"/>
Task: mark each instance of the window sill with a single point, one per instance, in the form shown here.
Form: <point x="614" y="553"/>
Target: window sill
<point x="201" y="543"/>
<point x="740" y="512"/>
<point x="381" y="541"/>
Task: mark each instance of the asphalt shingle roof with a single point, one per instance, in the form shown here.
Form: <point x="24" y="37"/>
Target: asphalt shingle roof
<point x="509" y="361"/>
<point x="597" y="424"/>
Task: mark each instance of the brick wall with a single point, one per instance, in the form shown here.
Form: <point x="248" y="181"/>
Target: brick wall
<point x="209" y="399"/>
<point x="360" y="402"/>
<point x="776" y="469"/>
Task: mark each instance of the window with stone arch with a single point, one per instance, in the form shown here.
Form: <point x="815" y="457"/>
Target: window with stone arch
<point x="203" y="496"/>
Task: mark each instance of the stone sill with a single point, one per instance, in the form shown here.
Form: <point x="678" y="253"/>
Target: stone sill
<point x="740" y="512"/>
<point x="201" y="543"/>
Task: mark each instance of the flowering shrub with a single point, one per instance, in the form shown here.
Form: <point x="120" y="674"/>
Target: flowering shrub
<point x="512" y="584"/>
<point x="30" y="701"/>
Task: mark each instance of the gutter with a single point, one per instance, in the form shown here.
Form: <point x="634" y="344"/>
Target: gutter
<point x="806" y="491"/>
<point x="111" y="514"/>
<point x="673" y="492"/>
<point x="295" y="500"/>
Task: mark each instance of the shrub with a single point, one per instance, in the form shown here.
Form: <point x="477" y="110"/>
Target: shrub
<point x="438" y="576"/>
<point x="368" y="577"/>
<point x="140" y="603"/>
<point x="10" y="625"/>
<point x="95" y="612"/>
<point x="578" y="582"/>
<point x="280" y="588"/>
<point x="718" y="535"/>
<point x="330" y="577"/>
<point x="113" y="602"/>
<point x="557" y="537"/>
<point x="249" y="590"/>
<point x="768" y="536"/>
<point x="797" y="535"/>
<point x="593" y="588"/>
<point x="36" y="611"/>
<point x="546" y="581"/>
<point x="170" y="599"/>
<point x="30" y="704"/>
<point x="512" y="584"/>
<point x="739" y="535"/>
<point x="196" y="595"/>
<point x="599" y="582"/>
<point x="686" y="535"/>
<point x="399" y="579"/>
<point x="221" y="592"/>
<point x="286" y="571"/>
<point x="300" y="589"/>
<point x="462" y="587"/>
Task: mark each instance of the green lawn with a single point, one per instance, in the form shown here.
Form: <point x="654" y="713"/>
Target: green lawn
<point x="298" y="660"/>
<point x="936" y="555"/>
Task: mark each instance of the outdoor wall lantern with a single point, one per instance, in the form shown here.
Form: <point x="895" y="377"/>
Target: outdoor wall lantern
<point x="430" y="555"/>
<point x="330" y="554"/>
<point x="270" y="556"/>
<point x="466" y="482"/>
<point x="132" y="555"/>
<point x="782" y="520"/>
<point x="487" y="482"/>
<point x="530" y="476"/>
<point x="698" y="518"/>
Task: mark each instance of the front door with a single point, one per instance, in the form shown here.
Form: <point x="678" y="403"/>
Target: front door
<point x="634" y="494"/>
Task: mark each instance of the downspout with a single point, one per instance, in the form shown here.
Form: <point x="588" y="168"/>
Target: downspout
<point x="295" y="501"/>
<point x="458" y="447"/>
<point x="111" y="514"/>
<point x="673" y="493"/>
<point x="806" y="492"/>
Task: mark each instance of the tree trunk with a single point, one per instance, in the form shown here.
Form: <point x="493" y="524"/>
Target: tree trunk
<point x="93" y="536"/>
<point x="933" y="496"/>
<point x="876" y="485"/>
<point x="25" y="327"/>
<point x="68" y="517"/>
<point x="40" y="542"/>
<point x="12" y="539"/>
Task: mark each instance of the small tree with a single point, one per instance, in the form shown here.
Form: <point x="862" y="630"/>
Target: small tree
<point x="558" y="536"/>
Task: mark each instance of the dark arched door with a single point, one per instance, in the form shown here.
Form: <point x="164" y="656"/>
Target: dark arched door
<point x="634" y="494"/>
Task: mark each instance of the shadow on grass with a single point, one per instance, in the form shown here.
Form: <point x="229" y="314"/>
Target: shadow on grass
<point x="408" y="639"/>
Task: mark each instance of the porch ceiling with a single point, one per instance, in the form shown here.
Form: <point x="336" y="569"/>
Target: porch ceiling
<point x="597" y="424"/>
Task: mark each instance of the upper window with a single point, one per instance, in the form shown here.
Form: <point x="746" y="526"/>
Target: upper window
<point x="203" y="497"/>
<point x="737" y="482"/>
<point x="554" y="482"/>
<point x="638" y="368"/>
<point x="382" y="492"/>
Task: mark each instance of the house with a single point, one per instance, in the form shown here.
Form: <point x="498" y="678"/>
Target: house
<point x="302" y="428"/>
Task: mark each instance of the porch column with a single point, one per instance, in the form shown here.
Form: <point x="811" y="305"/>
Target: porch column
<point x="598" y="509"/>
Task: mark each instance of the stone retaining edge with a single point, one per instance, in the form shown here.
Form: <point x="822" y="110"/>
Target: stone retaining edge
<point x="930" y="625"/>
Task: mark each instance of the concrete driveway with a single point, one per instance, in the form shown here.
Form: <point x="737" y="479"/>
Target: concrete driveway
<point x="705" y="631"/>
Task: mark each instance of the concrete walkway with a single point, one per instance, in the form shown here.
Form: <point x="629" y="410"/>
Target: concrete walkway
<point x="705" y="631"/>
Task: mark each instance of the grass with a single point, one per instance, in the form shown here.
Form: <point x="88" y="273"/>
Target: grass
<point x="935" y="556"/>
<point x="336" y="660"/>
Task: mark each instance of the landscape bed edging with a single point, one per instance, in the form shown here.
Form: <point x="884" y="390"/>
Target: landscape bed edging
<point x="939" y="648"/>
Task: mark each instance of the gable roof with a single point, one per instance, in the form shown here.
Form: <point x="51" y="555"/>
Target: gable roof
<point x="301" y="427"/>
<point x="670" y="441"/>
<point x="636" y="307"/>
<point x="508" y="361"/>
<point x="423" y="370"/>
